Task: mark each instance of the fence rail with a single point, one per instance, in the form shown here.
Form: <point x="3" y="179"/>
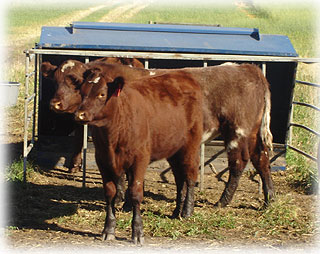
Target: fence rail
<point x="301" y="125"/>
<point x="29" y="115"/>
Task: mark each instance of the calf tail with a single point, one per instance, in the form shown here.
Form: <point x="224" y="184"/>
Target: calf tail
<point x="265" y="132"/>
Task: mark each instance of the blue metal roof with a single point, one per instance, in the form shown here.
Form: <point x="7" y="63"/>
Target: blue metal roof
<point x="165" y="38"/>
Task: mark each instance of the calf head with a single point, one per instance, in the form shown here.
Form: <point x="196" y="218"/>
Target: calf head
<point x="132" y="62"/>
<point x="97" y="90"/>
<point x="68" y="77"/>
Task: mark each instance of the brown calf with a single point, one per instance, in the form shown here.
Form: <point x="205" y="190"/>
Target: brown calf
<point x="136" y="122"/>
<point x="242" y="121"/>
<point x="69" y="77"/>
<point x="237" y="105"/>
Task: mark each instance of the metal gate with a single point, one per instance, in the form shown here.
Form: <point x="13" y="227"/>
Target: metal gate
<point x="192" y="45"/>
<point x="31" y="98"/>
<point x="292" y="124"/>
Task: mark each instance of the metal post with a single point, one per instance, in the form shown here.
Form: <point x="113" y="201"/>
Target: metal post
<point x="146" y="64"/>
<point x="84" y="159"/>
<point x="202" y="150"/>
<point x="264" y="69"/>
<point x="25" y="138"/>
<point x="85" y="146"/>
<point x="36" y="61"/>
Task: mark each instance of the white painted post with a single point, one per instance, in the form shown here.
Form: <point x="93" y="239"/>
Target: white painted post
<point x="202" y="149"/>
<point x="85" y="147"/>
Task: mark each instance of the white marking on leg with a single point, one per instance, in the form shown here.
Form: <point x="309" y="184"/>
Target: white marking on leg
<point x="152" y="73"/>
<point x="240" y="132"/>
<point x="232" y="145"/>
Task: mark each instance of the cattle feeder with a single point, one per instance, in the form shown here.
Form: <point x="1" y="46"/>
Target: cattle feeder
<point x="157" y="46"/>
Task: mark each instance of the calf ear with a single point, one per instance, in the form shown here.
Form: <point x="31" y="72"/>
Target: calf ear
<point x="48" y="69"/>
<point x="115" y="87"/>
<point x="74" y="79"/>
<point x="90" y="72"/>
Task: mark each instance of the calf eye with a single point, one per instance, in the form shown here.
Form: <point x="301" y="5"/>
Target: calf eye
<point x="102" y="95"/>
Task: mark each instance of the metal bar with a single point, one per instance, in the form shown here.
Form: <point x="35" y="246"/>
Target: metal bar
<point x="29" y="148"/>
<point x="85" y="147"/>
<point x="306" y="105"/>
<point x="288" y="134"/>
<point x="264" y="69"/>
<point x="32" y="96"/>
<point x="302" y="152"/>
<point x="307" y="83"/>
<point x="84" y="159"/>
<point x="168" y="55"/>
<point x="30" y="74"/>
<point x="35" y="97"/>
<point x="30" y="114"/>
<point x="25" y="136"/>
<point x="289" y="137"/>
<point x="202" y="151"/>
<point x="306" y="128"/>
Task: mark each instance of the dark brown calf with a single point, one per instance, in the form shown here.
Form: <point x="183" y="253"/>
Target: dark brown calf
<point x="69" y="77"/>
<point x="140" y="121"/>
<point x="237" y="106"/>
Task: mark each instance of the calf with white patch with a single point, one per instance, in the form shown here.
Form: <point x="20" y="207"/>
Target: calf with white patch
<point x="236" y="105"/>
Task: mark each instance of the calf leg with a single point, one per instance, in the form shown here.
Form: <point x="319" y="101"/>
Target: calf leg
<point x="185" y="166"/>
<point x="108" y="232"/>
<point x="120" y="196"/>
<point x="238" y="156"/>
<point x="137" y="172"/>
<point x="260" y="159"/>
<point x="180" y="184"/>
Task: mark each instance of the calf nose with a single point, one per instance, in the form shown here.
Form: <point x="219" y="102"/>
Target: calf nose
<point x="81" y="116"/>
<point x="57" y="105"/>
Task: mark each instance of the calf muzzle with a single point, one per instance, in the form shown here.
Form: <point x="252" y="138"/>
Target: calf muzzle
<point x="81" y="116"/>
<point x="56" y="106"/>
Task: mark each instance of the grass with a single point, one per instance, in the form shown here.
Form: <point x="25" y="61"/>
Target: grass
<point x="14" y="172"/>
<point x="283" y="216"/>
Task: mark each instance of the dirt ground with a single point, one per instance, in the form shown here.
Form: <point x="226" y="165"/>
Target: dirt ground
<point x="46" y="212"/>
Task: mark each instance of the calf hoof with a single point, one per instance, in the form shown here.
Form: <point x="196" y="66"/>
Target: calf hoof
<point x="74" y="169"/>
<point x="138" y="239"/>
<point x="175" y="214"/>
<point x="108" y="237"/>
<point x="186" y="213"/>
<point x="219" y="204"/>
